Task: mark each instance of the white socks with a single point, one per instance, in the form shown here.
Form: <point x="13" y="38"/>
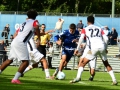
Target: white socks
<point x="112" y="75"/>
<point x="47" y="73"/>
<point x="28" y="68"/>
<point x="17" y="75"/>
<point x="80" y="70"/>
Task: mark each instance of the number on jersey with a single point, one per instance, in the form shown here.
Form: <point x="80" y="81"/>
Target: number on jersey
<point x="95" y="32"/>
<point x="21" y="29"/>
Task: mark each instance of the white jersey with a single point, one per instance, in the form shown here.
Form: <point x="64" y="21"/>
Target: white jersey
<point x="19" y="44"/>
<point x="31" y="44"/>
<point x="34" y="54"/>
<point x="26" y="30"/>
<point x="96" y="41"/>
<point x="94" y="36"/>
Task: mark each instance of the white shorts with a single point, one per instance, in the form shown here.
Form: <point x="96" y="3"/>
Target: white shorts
<point x="92" y="63"/>
<point x="35" y="56"/>
<point x="18" y="50"/>
<point x="85" y="51"/>
<point x="91" y="54"/>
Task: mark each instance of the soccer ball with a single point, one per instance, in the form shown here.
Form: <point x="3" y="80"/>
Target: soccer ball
<point x="61" y="76"/>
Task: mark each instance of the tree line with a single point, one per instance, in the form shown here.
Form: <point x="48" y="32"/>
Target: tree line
<point x="61" y="6"/>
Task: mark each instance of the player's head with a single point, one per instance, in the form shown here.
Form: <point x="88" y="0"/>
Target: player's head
<point x="51" y="43"/>
<point x="43" y="26"/>
<point x="32" y="14"/>
<point x="72" y="28"/>
<point x="90" y="20"/>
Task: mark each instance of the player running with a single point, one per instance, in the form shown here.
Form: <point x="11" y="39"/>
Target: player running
<point x="97" y="42"/>
<point x="92" y="63"/>
<point x="68" y="41"/>
<point x="35" y="58"/>
<point x="19" y="45"/>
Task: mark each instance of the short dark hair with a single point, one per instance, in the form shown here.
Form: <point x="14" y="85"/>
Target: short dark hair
<point x="80" y="20"/>
<point x="32" y="14"/>
<point x="51" y="43"/>
<point x="90" y="19"/>
<point x="43" y="25"/>
<point x="72" y="26"/>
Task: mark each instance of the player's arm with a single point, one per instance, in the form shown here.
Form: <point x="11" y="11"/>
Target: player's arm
<point x="105" y="38"/>
<point x="80" y="41"/>
<point x="37" y="31"/>
<point x="57" y="40"/>
<point x="81" y="38"/>
<point x="77" y="38"/>
<point x="62" y="20"/>
<point x="15" y="34"/>
<point x="47" y="32"/>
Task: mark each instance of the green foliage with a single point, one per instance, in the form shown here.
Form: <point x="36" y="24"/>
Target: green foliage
<point x="61" y="6"/>
<point x="2" y="8"/>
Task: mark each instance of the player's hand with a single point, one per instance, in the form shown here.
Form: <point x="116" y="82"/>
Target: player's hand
<point x="74" y="40"/>
<point x="59" y="42"/>
<point x="75" y="52"/>
<point x="49" y="31"/>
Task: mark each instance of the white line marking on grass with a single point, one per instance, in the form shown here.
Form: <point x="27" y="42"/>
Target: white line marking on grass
<point x="83" y="83"/>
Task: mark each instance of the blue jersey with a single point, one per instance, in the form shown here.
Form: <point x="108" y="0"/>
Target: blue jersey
<point x="67" y="39"/>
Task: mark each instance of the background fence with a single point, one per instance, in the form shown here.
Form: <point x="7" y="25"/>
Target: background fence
<point x="50" y="19"/>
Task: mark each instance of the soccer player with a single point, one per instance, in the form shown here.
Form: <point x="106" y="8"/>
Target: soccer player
<point x="35" y="56"/>
<point x="19" y="45"/>
<point x="68" y="41"/>
<point x="97" y="41"/>
<point x="92" y="63"/>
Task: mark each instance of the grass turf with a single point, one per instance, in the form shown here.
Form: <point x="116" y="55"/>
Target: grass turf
<point x="35" y="80"/>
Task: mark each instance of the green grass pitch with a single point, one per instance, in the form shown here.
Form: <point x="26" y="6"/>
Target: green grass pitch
<point x="35" y="80"/>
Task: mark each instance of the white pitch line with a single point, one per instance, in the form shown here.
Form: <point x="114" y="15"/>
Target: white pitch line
<point x="83" y="83"/>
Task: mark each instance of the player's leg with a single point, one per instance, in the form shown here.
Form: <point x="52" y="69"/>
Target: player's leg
<point x="88" y="56"/>
<point x="62" y="64"/>
<point x="22" y="54"/>
<point x="103" y="55"/>
<point x="92" y="73"/>
<point x="42" y="49"/>
<point x="45" y="65"/>
<point x="30" y="67"/>
<point x="8" y="61"/>
<point x="92" y="65"/>
<point x="5" y="64"/>
<point x="21" y="69"/>
<point x="57" y="69"/>
<point x="66" y="56"/>
<point x="109" y="69"/>
<point x="80" y="70"/>
<point x="37" y="58"/>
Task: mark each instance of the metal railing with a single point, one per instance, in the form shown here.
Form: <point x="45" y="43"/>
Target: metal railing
<point x="60" y="14"/>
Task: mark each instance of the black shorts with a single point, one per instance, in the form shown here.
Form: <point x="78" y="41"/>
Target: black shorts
<point x="42" y="49"/>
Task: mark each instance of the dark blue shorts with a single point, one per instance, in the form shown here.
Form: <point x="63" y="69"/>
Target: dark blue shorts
<point x="68" y="53"/>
